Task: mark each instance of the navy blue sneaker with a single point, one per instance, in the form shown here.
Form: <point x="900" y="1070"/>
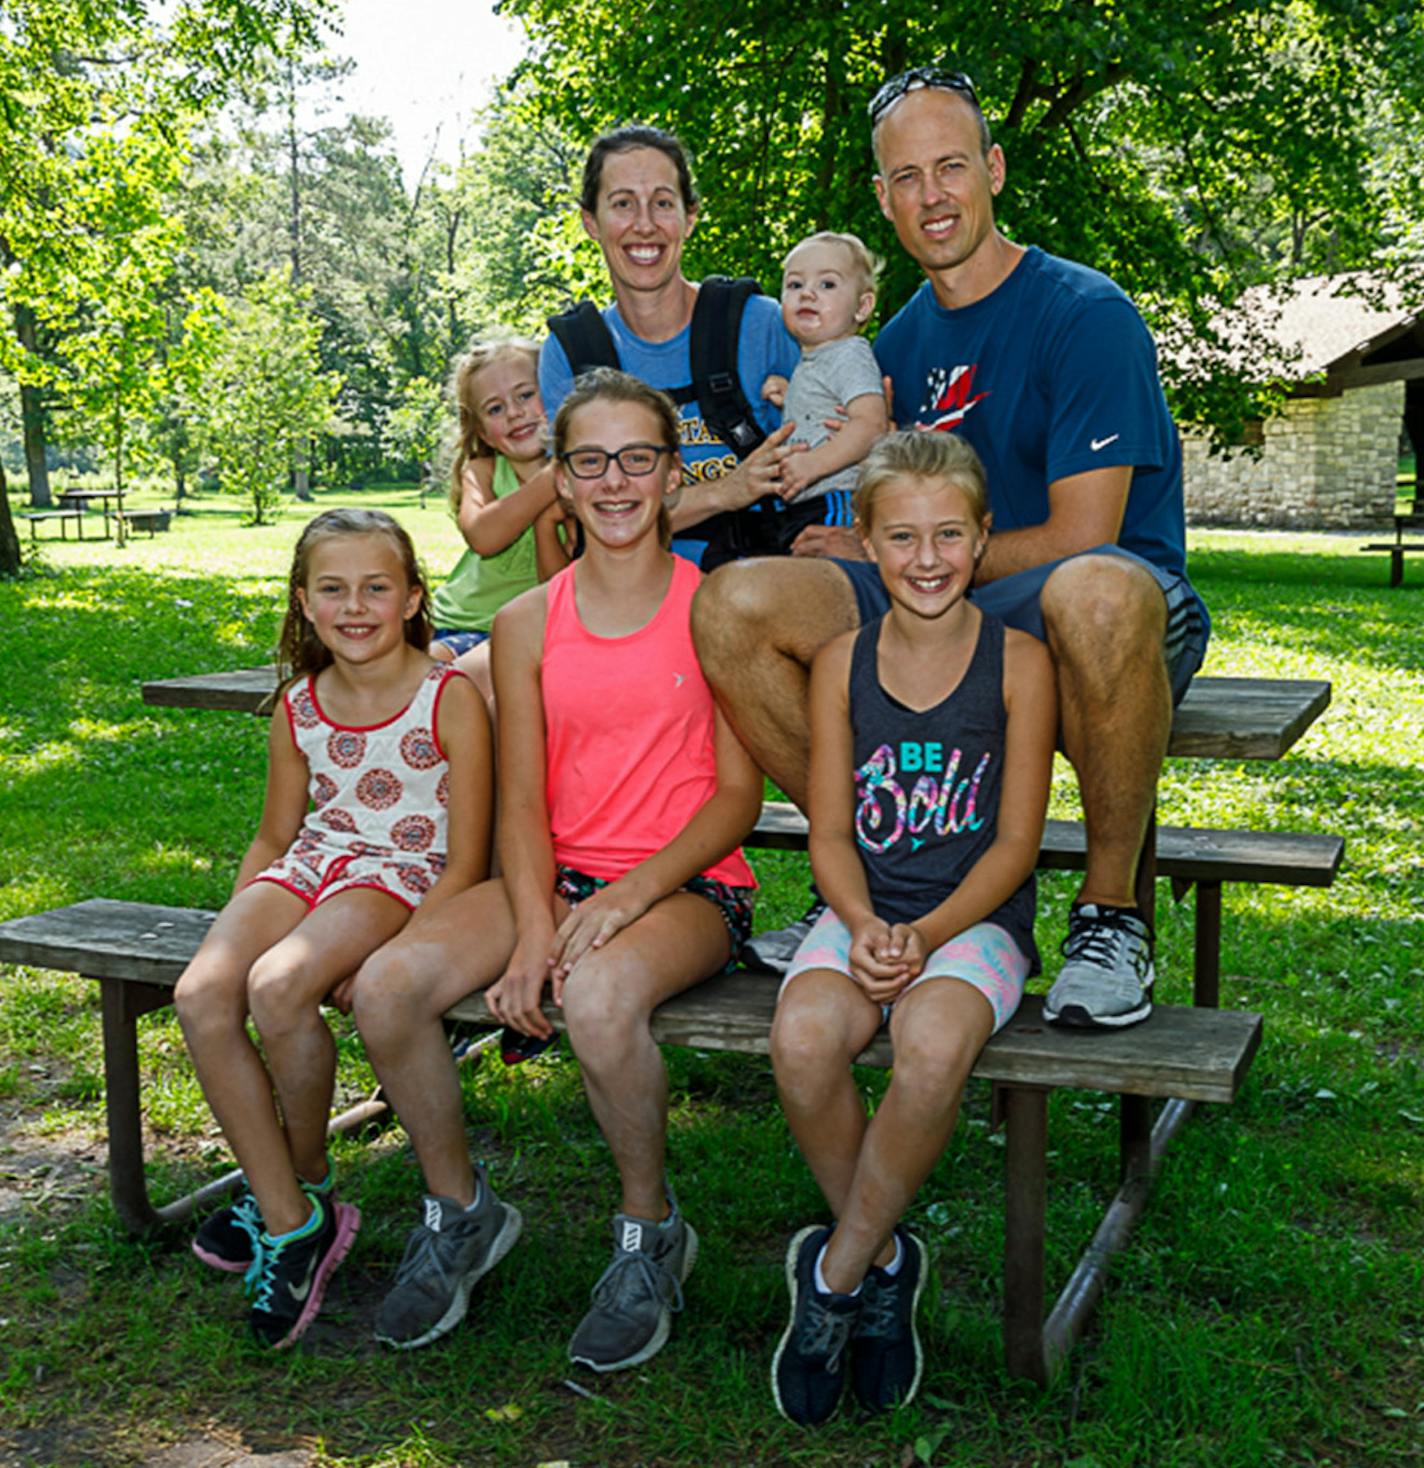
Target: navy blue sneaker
<point x="808" y="1371"/>
<point x="885" y="1356"/>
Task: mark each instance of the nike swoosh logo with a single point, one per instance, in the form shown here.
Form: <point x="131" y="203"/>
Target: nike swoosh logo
<point x="299" y="1295"/>
<point x="678" y="677"/>
<point x="1102" y="443"/>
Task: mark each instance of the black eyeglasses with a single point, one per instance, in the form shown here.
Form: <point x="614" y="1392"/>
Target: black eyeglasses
<point x="633" y="459"/>
<point x="936" y="78"/>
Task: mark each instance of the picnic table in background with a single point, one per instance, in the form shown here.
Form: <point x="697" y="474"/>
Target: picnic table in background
<point x="81" y="499"/>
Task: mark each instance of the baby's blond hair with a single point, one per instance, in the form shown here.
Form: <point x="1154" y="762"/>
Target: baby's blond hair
<point x="865" y="264"/>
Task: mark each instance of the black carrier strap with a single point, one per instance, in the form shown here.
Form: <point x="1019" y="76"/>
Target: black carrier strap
<point x="583" y="334"/>
<point x="716" y="330"/>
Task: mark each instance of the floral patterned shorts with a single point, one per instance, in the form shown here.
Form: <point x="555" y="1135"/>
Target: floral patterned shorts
<point x="734" y="903"/>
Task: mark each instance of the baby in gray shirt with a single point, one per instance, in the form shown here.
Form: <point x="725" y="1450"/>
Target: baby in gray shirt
<point x="827" y="295"/>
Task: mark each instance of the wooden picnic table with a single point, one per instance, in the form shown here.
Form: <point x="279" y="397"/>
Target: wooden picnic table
<point x="1220" y="718"/>
<point x="1182" y="1055"/>
<point x="80" y="499"/>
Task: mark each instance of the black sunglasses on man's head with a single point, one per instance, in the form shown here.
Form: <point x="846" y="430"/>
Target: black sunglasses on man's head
<point x="936" y="78"/>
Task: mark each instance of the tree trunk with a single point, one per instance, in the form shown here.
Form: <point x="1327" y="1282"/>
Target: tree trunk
<point x="32" y="416"/>
<point x="9" y="540"/>
<point x="120" y="524"/>
<point x="301" y="470"/>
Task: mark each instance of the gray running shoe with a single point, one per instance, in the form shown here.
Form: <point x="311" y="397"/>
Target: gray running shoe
<point x="775" y="949"/>
<point x="635" y="1297"/>
<point x="1107" y="980"/>
<point x="448" y="1252"/>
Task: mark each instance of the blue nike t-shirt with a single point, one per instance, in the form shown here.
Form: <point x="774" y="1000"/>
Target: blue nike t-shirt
<point x="1053" y="373"/>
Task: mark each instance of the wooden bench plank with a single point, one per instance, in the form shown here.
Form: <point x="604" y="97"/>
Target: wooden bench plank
<point x="1201" y="1055"/>
<point x="1187" y="853"/>
<point x="1223" y="718"/>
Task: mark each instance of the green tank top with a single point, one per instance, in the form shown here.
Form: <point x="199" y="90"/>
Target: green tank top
<point x="480" y="585"/>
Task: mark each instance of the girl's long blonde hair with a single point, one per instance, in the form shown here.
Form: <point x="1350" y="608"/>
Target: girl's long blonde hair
<point x="469" y="442"/>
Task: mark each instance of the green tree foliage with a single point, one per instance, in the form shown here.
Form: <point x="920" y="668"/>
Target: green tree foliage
<point x="1190" y="151"/>
<point x="519" y="252"/>
<point x="260" y="391"/>
<point x="85" y="84"/>
<point x="416" y="427"/>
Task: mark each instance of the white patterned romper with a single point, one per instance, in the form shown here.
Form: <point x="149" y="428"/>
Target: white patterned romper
<point x="379" y="800"/>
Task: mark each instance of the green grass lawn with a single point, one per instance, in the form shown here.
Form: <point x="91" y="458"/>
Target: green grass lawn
<point x="1270" y="1308"/>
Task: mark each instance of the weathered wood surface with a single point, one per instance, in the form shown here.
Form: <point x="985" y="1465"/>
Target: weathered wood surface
<point x="1220" y="718"/>
<point x="241" y="690"/>
<point x="1189" y="853"/>
<point x="1246" y="718"/>
<point x="1198" y="1054"/>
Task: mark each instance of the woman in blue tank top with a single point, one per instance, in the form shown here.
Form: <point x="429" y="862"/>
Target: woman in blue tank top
<point x="932" y="734"/>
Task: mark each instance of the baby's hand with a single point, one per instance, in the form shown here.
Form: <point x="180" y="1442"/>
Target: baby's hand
<point x="794" y="478"/>
<point x="774" y="389"/>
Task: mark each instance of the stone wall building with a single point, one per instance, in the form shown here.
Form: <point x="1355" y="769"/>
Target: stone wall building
<point x="1352" y="350"/>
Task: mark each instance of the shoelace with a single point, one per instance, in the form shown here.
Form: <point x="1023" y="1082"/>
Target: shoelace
<point x="878" y="1316"/>
<point x="618" y="1285"/>
<point x="824" y="1332"/>
<point x="258" y="1279"/>
<point x="422" y="1252"/>
<point x="248" y="1217"/>
<point x="1099" y="939"/>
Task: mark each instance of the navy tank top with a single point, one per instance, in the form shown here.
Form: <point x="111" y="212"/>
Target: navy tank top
<point x="928" y="783"/>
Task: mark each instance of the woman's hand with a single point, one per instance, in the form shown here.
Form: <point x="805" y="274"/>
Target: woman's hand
<point x="514" y="998"/>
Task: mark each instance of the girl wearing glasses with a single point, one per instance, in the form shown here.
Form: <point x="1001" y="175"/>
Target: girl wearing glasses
<point x="623" y="797"/>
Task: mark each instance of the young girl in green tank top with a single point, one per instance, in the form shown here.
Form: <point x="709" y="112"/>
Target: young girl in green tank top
<point x="502" y="496"/>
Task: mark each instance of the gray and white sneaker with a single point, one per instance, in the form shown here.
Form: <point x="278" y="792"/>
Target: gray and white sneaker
<point x="1107" y="980"/>
<point x="635" y="1297"/>
<point x="776" y="948"/>
<point x="448" y="1252"/>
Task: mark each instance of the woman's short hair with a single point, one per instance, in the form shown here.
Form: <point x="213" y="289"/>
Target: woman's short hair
<point x="623" y="140"/>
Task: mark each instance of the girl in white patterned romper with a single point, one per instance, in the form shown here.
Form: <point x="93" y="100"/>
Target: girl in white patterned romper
<point x="379" y="796"/>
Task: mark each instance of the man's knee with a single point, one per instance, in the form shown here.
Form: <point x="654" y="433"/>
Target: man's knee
<point x="1103" y="602"/>
<point x="750" y="608"/>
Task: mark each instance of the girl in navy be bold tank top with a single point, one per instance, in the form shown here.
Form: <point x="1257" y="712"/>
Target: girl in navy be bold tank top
<point x="932" y="736"/>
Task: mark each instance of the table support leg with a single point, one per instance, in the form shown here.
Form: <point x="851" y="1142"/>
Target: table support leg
<point x="1025" y="1111"/>
<point x="121" y="1003"/>
<point x="127" y="1186"/>
<point x="1206" y="969"/>
<point x="1074" y="1307"/>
